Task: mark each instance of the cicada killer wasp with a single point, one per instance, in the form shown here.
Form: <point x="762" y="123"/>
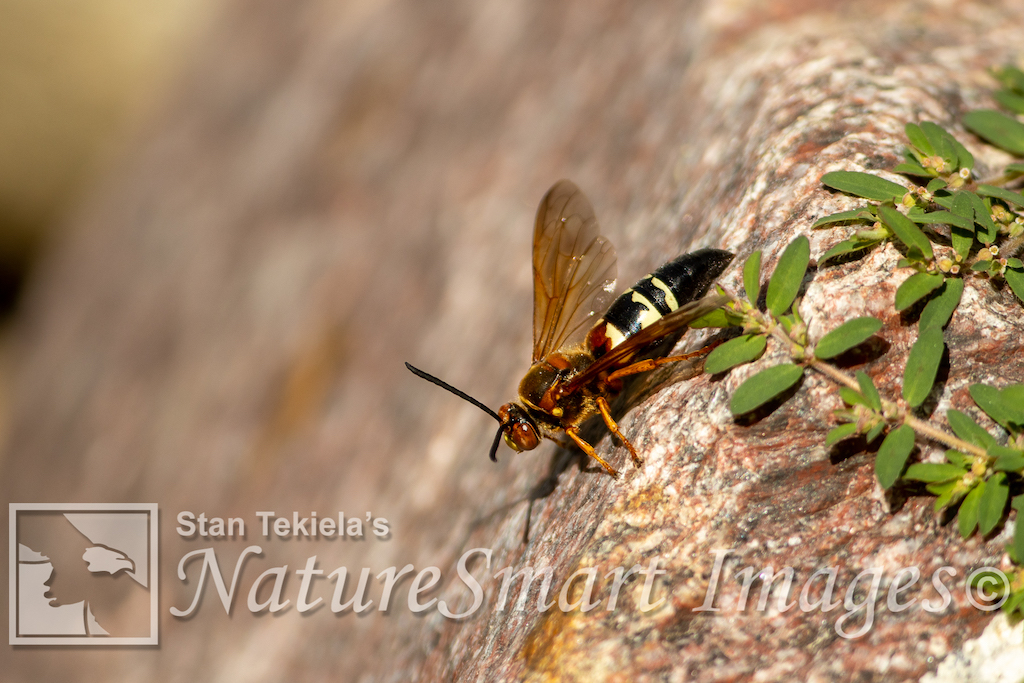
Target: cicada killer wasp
<point x="578" y="365"/>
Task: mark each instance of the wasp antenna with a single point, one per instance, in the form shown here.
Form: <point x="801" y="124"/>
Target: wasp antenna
<point x="494" y="446"/>
<point x="461" y="394"/>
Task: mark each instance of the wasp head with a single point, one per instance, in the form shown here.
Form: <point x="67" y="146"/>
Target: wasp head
<point x="514" y="422"/>
<point x="518" y="427"/>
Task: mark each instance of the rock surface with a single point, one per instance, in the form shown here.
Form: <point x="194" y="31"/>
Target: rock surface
<point x="338" y="189"/>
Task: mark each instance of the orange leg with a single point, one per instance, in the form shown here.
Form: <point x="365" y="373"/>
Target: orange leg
<point x="589" y="450"/>
<point x="651" y="363"/>
<point x="606" y="413"/>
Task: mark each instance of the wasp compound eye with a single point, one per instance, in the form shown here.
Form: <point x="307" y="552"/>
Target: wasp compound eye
<point x="524" y="436"/>
<point x="521" y="436"/>
<point x="520" y="433"/>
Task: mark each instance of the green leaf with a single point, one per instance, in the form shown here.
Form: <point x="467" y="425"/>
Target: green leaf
<point x="945" y="493"/>
<point x="784" y="284"/>
<point x="1011" y="77"/>
<point x="735" y="352"/>
<point x="936" y="184"/>
<point x="1015" y="599"/>
<point x="934" y="472"/>
<point x="962" y="241"/>
<point x="916" y="287"/>
<point x="864" y="185"/>
<point x="911" y="168"/>
<point x="939" y="310"/>
<point x="969" y="430"/>
<point x="1014" y="394"/>
<point x="852" y="398"/>
<point x="840" y="433"/>
<point x="1015" y="278"/>
<point x="991" y="401"/>
<point x="1018" y="533"/>
<point x="947" y="146"/>
<point x="984" y="266"/>
<point x="1008" y="196"/>
<point x="922" y="366"/>
<point x="983" y="217"/>
<point x="1010" y="100"/>
<point x="715" y="318"/>
<point x="892" y="455"/>
<point x="957" y="458"/>
<point x="845" y="247"/>
<point x="986" y="576"/>
<point x="998" y="128"/>
<point x="945" y="218"/>
<point x="918" y="139"/>
<point x="968" y="514"/>
<point x="764" y="386"/>
<point x="752" y="277"/>
<point x="862" y="239"/>
<point x="964" y="159"/>
<point x="1004" y="409"/>
<point x="843" y="216"/>
<point x="868" y="391"/>
<point x="940" y="140"/>
<point x="846" y="336"/>
<point x="963" y="207"/>
<point x="874" y="432"/>
<point x="1007" y="459"/>
<point x="905" y="230"/>
<point x="1016" y="167"/>
<point x="993" y="502"/>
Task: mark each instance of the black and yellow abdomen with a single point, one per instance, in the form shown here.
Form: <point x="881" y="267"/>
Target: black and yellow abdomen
<point x="671" y="286"/>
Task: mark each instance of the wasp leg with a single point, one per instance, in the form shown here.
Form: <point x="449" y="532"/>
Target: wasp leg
<point x="651" y="363"/>
<point x="606" y="413"/>
<point x="589" y="450"/>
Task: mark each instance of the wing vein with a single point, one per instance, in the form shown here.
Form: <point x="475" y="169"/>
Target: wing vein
<point x="574" y="269"/>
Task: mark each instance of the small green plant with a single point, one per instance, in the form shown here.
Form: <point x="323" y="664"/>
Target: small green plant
<point x="950" y="228"/>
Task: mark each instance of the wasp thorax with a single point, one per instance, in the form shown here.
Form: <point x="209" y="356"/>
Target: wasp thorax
<point x="520" y="432"/>
<point x="540" y="377"/>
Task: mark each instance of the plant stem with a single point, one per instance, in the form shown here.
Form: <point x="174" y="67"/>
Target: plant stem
<point x="926" y="429"/>
<point x="1011" y="246"/>
<point x="922" y="427"/>
<point x="837" y="375"/>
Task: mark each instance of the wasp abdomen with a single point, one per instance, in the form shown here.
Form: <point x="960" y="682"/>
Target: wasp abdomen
<point x="678" y="282"/>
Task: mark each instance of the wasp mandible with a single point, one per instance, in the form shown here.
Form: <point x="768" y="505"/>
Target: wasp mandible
<point x="578" y="366"/>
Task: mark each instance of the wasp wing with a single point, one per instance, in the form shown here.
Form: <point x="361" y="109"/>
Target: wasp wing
<point x="574" y="269"/>
<point x="633" y="346"/>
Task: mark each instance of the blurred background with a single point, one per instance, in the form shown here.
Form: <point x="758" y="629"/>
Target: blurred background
<point x="292" y="200"/>
<point x="77" y="78"/>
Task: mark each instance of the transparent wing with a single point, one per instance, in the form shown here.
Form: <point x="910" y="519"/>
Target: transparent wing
<point x="573" y="269"/>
